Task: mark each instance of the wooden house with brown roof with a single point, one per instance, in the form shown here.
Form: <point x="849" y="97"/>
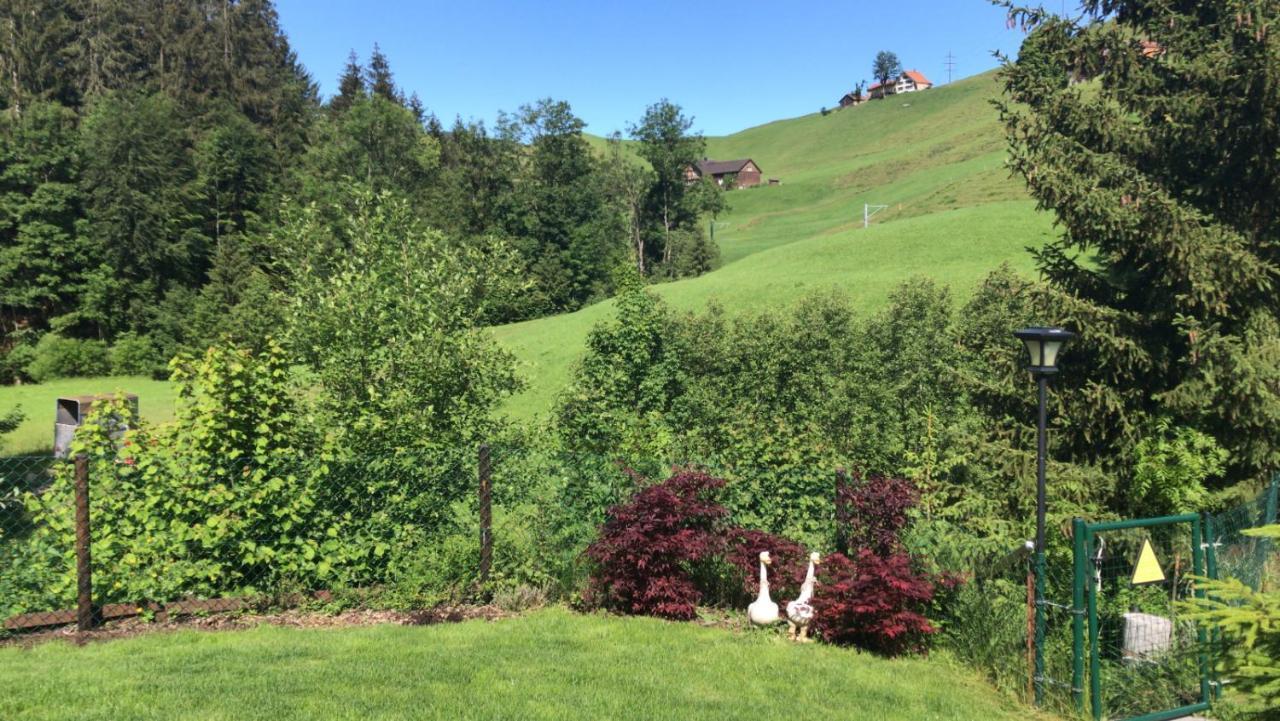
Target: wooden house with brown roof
<point x="742" y="173"/>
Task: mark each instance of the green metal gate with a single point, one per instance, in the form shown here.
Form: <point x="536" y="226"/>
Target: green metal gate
<point x="1132" y="656"/>
<point x="1143" y="661"/>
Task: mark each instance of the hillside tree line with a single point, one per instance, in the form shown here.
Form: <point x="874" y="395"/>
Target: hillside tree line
<point x="153" y="155"/>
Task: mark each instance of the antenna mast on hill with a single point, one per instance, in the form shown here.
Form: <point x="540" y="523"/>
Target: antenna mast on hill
<point x="951" y="64"/>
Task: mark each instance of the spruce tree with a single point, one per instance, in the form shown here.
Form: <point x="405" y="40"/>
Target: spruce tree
<point x="350" y="85"/>
<point x="43" y="256"/>
<point x="379" y="79"/>
<point x="1150" y="130"/>
<point x="141" y="204"/>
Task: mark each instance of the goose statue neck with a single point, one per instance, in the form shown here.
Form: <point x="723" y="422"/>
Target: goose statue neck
<point x="800" y="612"/>
<point x="763" y="611"/>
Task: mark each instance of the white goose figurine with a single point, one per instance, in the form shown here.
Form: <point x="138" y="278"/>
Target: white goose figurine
<point x="799" y="612"/>
<point x="763" y="611"/>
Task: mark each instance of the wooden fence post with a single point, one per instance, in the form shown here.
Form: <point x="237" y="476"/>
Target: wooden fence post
<point x="486" y="512"/>
<point x="85" y="616"/>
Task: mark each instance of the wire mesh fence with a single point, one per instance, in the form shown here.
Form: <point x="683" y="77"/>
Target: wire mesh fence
<point x="182" y="532"/>
<point x="1143" y="657"/>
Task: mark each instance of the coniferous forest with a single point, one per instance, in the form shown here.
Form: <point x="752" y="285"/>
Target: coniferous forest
<point x="153" y="152"/>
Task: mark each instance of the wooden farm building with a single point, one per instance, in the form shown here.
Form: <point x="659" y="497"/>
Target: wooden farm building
<point x="742" y="173"/>
<point x="853" y="97"/>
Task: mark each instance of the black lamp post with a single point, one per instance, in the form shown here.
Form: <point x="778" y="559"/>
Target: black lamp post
<point x="1043" y="345"/>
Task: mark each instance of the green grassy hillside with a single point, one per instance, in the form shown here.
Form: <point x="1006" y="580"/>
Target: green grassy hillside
<point x="935" y="158"/>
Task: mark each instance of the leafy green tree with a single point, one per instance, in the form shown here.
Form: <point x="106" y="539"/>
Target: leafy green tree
<point x="1171" y="470"/>
<point x="390" y="326"/>
<point x="670" y="149"/>
<point x="885" y="67"/>
<point x="561" y="224"/>
<point x="1157" y="176"/>
<point x="375" y="142"/>
<point x="625" y="184"/>
<point x="475" y="195"/>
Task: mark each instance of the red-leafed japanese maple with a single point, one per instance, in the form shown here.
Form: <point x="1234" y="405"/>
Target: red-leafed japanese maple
<point x="873" y="602"/>
<point x="874" y="510"/>
<point x="790" y="561"/>
<point x="649" y="545"/>
<point x="878" y="598"/>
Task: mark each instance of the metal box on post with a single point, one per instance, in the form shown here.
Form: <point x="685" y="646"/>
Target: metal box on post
<point x="71" y="414"/>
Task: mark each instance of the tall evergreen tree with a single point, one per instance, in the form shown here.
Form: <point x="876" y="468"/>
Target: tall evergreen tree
<point x="141" y="203"/>
<point x="1163" y="176"/>
<point x="351" y="87"/>
<point x="43" y="257"/>
<point x="566" y="234"/>
<point x="379" y="79"/>
<point x="233" y="165"/>
<point x="37" y="53"/>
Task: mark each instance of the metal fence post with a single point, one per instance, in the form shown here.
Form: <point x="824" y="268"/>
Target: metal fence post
<point x="1268" y="517"/>
<point x="1095" y="660"/>
<point x="84" y="567"/>
<point x="1198" y="566"/>
<point x="486" y="512"/>
<point x="1211" y="571"/>
<point x="1031" y="626"/>
<point x="1080" y="572"/>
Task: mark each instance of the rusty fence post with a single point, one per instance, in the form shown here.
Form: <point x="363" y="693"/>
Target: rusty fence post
<point x="85" y="616"/>
<point x="486" y="512"/>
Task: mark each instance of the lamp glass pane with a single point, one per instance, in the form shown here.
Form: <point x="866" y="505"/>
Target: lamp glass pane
<point x="1033" y="350"/>
<point x="1051" y="348"/>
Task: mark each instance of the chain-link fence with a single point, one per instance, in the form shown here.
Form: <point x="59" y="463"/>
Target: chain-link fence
<point x="1114" y="644"/>
<point x="168" y="533"/>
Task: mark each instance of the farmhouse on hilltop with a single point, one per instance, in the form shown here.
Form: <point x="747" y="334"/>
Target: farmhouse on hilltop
<point x="908" y="82"/>
<point x="742" y="173"/>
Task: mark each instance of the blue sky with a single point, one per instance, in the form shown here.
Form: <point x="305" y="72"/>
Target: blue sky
<point x="731" y="65"/>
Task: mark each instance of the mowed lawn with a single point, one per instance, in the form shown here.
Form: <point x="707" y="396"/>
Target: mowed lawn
<point x="35" y="435"/>
<point x="550" y="664"/>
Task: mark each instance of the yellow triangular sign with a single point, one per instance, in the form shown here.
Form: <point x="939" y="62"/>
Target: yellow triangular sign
<point x="1147" y="569"/>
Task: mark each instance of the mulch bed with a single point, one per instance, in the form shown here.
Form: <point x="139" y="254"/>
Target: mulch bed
<point x="128" y="627"/>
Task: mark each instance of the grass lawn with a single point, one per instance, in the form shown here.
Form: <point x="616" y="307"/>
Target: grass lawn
<point x="550" y="664"/>
<point x="35" y="435"/>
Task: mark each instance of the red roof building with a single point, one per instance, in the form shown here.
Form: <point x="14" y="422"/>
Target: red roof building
<point x="908" y="82"/>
